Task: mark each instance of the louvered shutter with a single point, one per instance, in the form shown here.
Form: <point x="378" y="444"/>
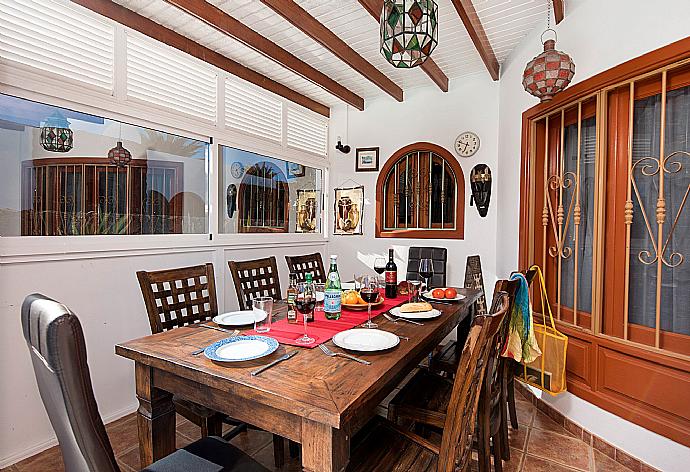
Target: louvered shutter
<point x="164" y="76"/>
<point x="58" y="38"/>
<point x="251" y="111"/>
<point x="307" y="133"/>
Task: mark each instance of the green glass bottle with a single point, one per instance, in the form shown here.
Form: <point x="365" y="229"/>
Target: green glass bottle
<point x="333" y="292"/>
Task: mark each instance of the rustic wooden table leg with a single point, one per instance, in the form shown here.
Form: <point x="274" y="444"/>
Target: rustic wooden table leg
<point x="324" y="449"/>
<point x="155" y="418"/>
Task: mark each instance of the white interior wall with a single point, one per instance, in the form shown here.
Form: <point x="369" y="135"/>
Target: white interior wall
<point x="429" y="115"/>
<point x="598" y="35"/>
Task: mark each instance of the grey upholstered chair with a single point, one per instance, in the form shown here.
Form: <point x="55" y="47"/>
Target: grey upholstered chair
<point x="58" y="353"/>
<point x="439" y="256"/>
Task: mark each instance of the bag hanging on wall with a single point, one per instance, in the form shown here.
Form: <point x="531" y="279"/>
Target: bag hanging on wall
<point x="546" y="372"/>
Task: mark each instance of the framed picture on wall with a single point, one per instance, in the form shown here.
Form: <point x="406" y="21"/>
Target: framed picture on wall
<point x="307" y="211"/>
<point x="294" y="170"/>
<point x="348" y="208"/>
<point x="367" y="159"/>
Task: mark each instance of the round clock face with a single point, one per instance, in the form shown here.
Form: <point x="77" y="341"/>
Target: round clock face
<point x="237" y="169"/>
<point x="467" y="144"/>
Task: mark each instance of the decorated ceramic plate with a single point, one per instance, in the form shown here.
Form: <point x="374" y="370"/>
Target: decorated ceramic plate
<point x="241" y="348"/>
<point x="365" y="340"/>
<point x="240" y="318"/>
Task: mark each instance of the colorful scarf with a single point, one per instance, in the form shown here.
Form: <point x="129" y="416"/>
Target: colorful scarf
<point x="521" y="345"/>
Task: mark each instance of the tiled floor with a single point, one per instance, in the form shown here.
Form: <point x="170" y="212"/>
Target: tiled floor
<point x="538" y="445"/>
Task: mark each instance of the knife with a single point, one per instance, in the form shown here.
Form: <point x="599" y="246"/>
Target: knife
<point x="218" y="329"/>
<point x="280" y="359"/>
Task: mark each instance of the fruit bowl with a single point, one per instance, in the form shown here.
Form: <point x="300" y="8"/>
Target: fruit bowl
<point x="361" y="304"/>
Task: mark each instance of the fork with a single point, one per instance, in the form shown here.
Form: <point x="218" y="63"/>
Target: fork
<point x="330" y="353"/>
<point x="395" y="320"/>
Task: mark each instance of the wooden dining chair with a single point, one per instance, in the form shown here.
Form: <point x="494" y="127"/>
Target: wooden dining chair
<point x="179" y="297"/>
<point x="383" y="445"/>
<point x="427" y="398"/>
<point x="255" y="278"/>
<point x="301" y="265"/>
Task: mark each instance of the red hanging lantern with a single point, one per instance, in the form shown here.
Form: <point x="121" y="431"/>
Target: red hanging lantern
<point x="548" y="73"/>
<point x="119" y="155"/>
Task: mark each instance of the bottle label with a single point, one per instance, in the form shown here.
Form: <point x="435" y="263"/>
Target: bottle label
<point x="331" y="301"/>
<point x="391" y="277"/>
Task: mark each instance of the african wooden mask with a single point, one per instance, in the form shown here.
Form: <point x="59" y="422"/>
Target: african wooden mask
<point x="480" y="182"/>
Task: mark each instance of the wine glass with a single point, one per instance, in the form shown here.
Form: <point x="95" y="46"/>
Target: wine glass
<point x="426" y="270"/>
<point x="380" y="265"/>
<point x="305" y="301"/>
<point x="414" y="283"/>
<point x="369" y="293"/>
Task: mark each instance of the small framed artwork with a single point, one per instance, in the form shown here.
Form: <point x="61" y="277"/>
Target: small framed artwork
<point x="294" y="170"/>
<point x="348" y="210"/>
<point x="367" y="159"/>
<point x="307" y="211"/>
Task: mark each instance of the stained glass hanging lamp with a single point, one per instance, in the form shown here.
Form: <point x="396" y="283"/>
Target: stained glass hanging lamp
<point x="119" y="155"/>
<point x="409" y="31"/>
<point x="56" y="135"/>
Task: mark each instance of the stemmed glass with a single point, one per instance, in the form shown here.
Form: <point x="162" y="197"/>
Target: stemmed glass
<point x="305" y="301"/>
<point x="426" y="270"/>
<point x="380" y="265"/>
<point x="369" y="293"/>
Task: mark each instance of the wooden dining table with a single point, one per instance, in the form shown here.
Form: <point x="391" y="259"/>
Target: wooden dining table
<point x="312" y="399"/>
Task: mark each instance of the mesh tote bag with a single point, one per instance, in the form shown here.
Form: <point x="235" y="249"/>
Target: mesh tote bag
<point x="546" y="372"/>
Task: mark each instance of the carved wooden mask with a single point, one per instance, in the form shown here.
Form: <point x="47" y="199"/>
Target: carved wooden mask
<point x="480" y="182"/>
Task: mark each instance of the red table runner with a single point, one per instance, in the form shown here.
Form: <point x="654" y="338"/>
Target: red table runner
<point x="322" y="329"/>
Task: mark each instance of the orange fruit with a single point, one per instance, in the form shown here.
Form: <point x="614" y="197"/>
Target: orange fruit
<point x="351" y="298"/>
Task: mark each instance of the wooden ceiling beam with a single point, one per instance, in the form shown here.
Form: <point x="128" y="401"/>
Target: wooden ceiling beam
<point x="431" y="69"/>
<point x="150" y="28"/>
<point x="558" y="10"/>
<point x="310" y="26"/>
<point x="474" y="27"/>
<point x="229" y="26"/>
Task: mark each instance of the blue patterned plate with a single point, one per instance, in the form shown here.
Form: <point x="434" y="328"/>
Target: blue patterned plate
<point x="241" y="348"/>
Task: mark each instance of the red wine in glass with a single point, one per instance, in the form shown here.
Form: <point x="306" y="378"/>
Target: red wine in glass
<point x="369" y="296"/>
<point x="305" y="305"/>
<point x="379" y="265"/>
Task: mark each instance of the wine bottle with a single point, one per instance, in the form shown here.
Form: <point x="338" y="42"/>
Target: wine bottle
<point x="291" y="295"/>
<point x="332" y="292"/>
<point x="391" y="276"/>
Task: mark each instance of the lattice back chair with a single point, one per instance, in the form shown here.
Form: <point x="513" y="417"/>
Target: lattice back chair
<point x="255" y="278"/>
<point x="458" y="432"/>
<point x="178" y="297"/>
<point x="301" y="265"/>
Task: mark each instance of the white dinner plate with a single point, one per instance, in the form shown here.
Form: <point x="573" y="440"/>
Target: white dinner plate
<point x="240" y="318"/>
<point x="428" y="296"/>
<point x="241" y="348"/>
<point x="366" y="340"/>
<point x="420" y="315"/>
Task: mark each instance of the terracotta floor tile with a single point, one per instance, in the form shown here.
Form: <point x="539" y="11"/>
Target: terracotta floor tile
<point x="513" y="465"/>
<point x="518" y="438"/>
<point x="49" y="460"/>
<point x="537" y="464"/>
<point x="544" y="422"/>
<point x="189" y="429"/>
<point x="555" y="447"/>
<point x="603" y="463"/>
<point x="252" y="440"/>
<point x="130" y="459"/>
<point x="9" y="469"/>
<point x="265" y="458"/>
<point x="525" y="412"/>
<point x="123" y="433"/>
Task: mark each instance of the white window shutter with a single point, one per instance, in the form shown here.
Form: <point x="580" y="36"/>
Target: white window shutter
<point x="58" y="38"/>
<point x="164" y="76"/>
<point x="306" y="132"/>
<point x="251" y="111"/>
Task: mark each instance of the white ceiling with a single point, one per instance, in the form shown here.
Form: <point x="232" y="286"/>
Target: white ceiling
<point x="506" y="22"/>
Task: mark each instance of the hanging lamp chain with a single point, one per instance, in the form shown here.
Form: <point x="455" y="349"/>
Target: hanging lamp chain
<point x="548" y="14"/>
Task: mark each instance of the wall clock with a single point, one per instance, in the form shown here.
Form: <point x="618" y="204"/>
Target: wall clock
<point x="237" y="169"/>
<point x="467" y="144"/>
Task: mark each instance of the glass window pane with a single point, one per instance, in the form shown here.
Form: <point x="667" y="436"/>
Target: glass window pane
<point x="675" y="271"/>
<point x="262" y="194"/>
<point x="58" y="178"/>
<point x="586" y="227"/>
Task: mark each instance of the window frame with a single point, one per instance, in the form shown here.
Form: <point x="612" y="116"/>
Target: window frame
<point x="421" y="233"/>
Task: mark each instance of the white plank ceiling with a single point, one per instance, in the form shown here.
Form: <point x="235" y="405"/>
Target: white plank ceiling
<point x="506" y="22"/>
